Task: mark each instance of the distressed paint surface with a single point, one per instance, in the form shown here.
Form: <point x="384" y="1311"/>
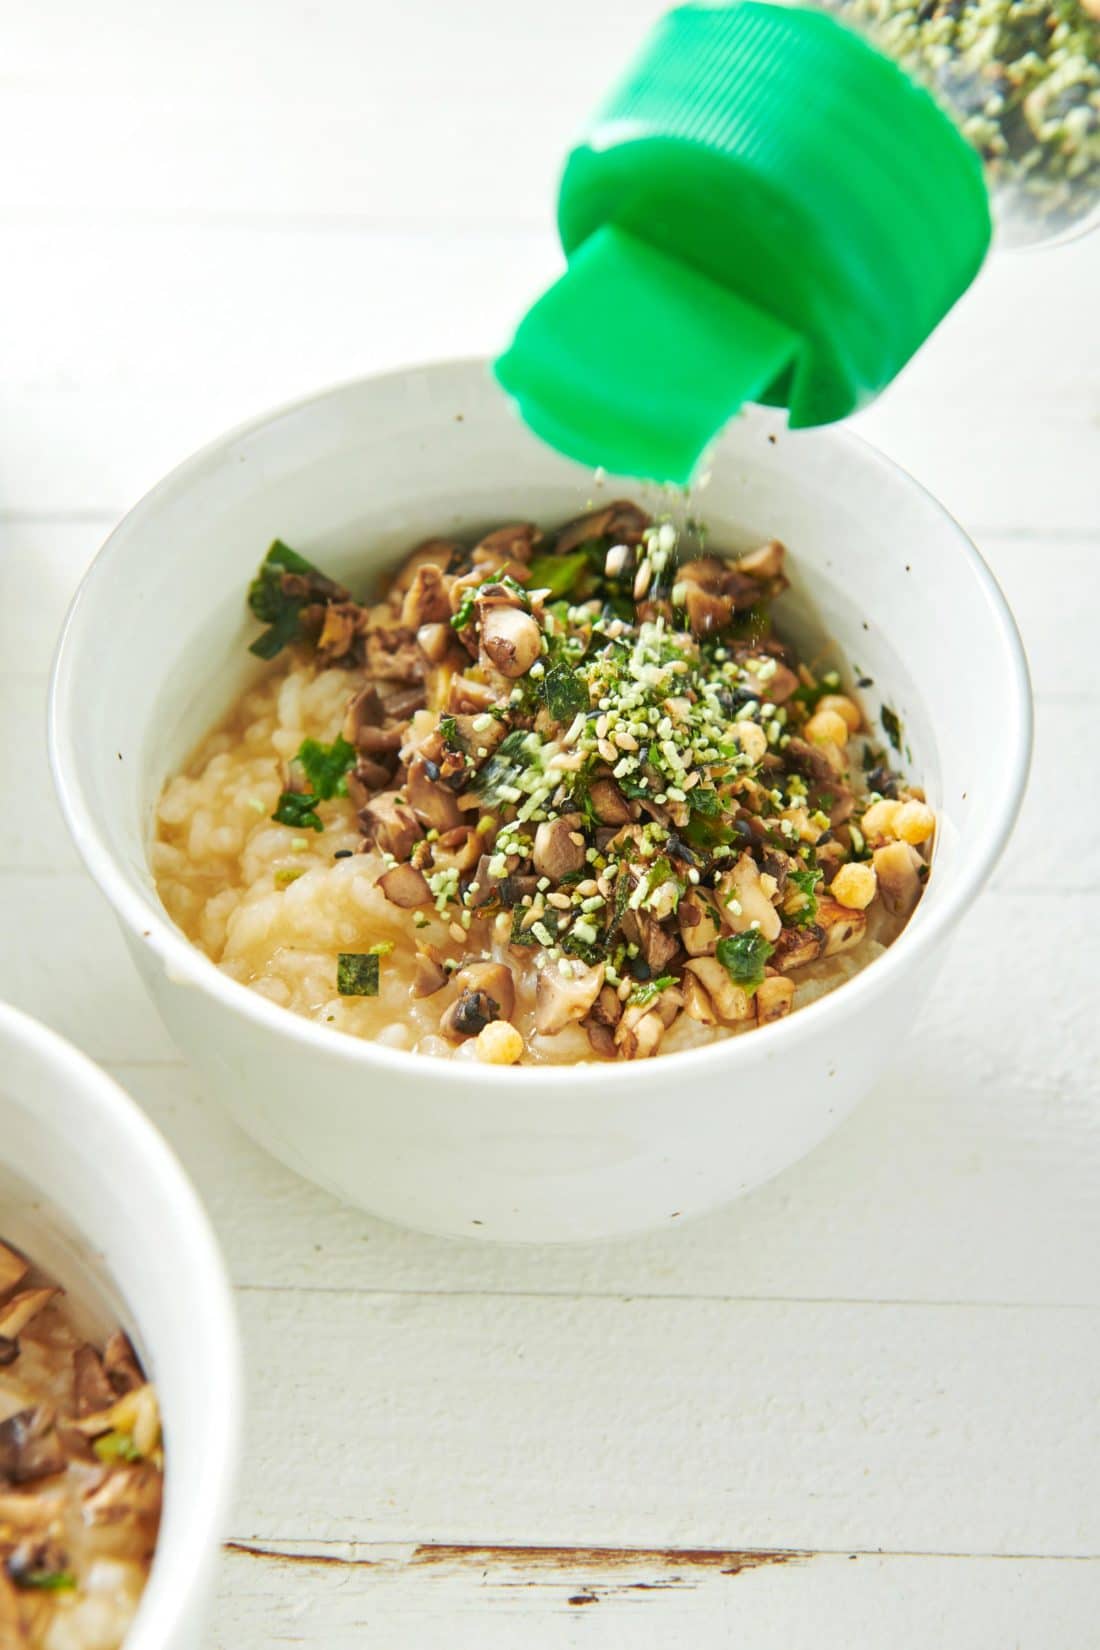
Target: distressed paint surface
<point x="859" y="1407"/>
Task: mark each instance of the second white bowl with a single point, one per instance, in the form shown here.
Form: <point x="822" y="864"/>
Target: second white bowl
<point x="351" y="478"/>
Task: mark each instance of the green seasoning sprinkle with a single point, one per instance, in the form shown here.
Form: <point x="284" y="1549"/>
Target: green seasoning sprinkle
<point x="286" y="874"/>
<point x="296" y="809"/>
<point x="326" y="766"/>
<point x="566" y="693"/>
<point x="357" y="973"/>
<point x="46" y="1581"/>
<point x="116" y="1446"/>
<point x="743" y="957"/>
<point x="269" y="601"/>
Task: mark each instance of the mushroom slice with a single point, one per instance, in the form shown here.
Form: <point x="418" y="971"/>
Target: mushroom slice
<point x="510" y="639"/>
<point x="122" y="1364"/>
<point x="438" y="553"/>
<point x="741" y="888"/>
<point x="428" y="977"/>
<point x="427" y="600"/>
<point x="765" y="563"/>
<point x="390" y="825"/>
<point x="513" y="542"/>
<point x="136" y="1413"/>
<point x="433" y="803"/>
<point x="621" y="520"/>
<point x="13" y="1269"/>
<point x="699" y="925"/>
<point x="495" y="979"/>
<point x="696" y="1002"/>
<point x="562" y="998"/>
<point x="457" y="850"/>
<point x="470" y="1013"/>
<point x="659" y="944"/>
<point x="555" y="853"/>
<point x="796" y="947"/>
<point x="728" y="1000"/>
<point x="92" y="1391"/>
<point x="773" y="998"/>
<point x="29" y="1445"/>
<point x="639" y="1032"/>
<point x="434" y="640"/>
<point x="897" y="867"/>
<point x="843" y="927"/>
<point x="405" y="886"/>
<point x="465" y="696"/>
<point x="608" y="803"/>
<point x="127" y="1494"/>
<point x="18" y="1312"/>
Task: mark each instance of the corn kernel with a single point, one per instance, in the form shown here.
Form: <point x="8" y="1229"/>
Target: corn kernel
<point x="841" y="705"/>
<point x="826" y="727"/>
<point x="879" y="822"/>
<point x="854" y="886"/>
<point x="914" y="822"/>
<point x="499" y="1043"/>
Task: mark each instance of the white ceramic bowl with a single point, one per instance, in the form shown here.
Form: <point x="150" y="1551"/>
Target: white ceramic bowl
<point x="155" y="645"/>
<point x="91" y="1192"/>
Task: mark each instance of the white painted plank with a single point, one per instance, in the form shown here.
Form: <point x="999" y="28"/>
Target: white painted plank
<point x="175" y="332"/>
<point x="405" y="111"/>
<point x="671" y="1423"/>
<point x="376" y="1598"/>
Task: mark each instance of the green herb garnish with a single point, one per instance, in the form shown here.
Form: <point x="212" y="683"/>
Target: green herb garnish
<point x="743" y="957"/>
<point x="270" y="602"/>
<point x="296" y="809"/>
<point x="891" y="722"/>
<point x="806" y="882"/>
<point x="357" y="973"/>
<point x="326" y="766"/>
<point x="649" y="989"/>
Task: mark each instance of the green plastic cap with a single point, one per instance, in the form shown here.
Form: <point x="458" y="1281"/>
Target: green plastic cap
<point x="765" y="209"/>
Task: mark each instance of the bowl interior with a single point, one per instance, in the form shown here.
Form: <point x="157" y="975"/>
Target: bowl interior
<point x="156" y="644"/>
<point x="93" y="1195"/>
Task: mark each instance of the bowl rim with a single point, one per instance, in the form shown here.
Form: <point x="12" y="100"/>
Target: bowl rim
<point x="176" y="1574"/>
<point x="185" y="963"/>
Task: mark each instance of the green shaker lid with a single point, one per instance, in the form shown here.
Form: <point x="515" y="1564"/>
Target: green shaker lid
<point x="765" y="209"/>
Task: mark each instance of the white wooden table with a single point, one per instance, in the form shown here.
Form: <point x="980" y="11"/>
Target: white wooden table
<point x="860" y="1408"/>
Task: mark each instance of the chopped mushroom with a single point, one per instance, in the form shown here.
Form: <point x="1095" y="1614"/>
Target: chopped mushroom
<point x="639" y="1032"/>
<point x="392" y="826"/>
<point x="897" y="869"/>
<point x="557" y="852"/>
<point x="17" y="1313"/>
<point x="621" y="521"/>
<point x="608" y="803"/>
<point x="563" y="998"/>
<point x="699" y="925"/>
<point x="729" y="1001"/>
<point x="742" y="902"/>
<point x="13" y="1269"/>
<point x="92" y="1390"/>
<point x="428" y="977"/>
<point x="510" y="639"/>
<point x="430" y="799"/>
<point x="495" y="979"/>
<point x="427" y="600"/>
<point x="842" y="928"/>
<point x="470" y="1013"/>
<point x="405" y="886"/>
<point x="29" y="1445"/>
<point x="773" y="998"/>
